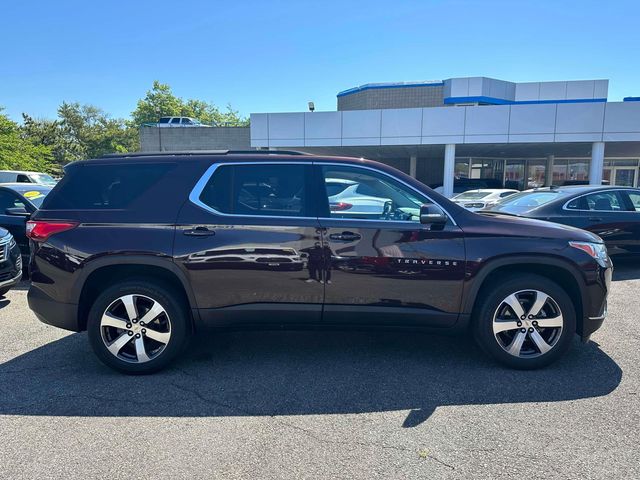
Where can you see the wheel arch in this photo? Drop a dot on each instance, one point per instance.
(557, 270)
(102, 272)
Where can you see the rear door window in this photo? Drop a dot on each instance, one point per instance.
(634, 198)
(259, 190)
(105, 186)
(605, 202)
(175, 120)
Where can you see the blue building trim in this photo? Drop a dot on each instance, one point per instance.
(502, 101)
(631, 99)
(374, 86)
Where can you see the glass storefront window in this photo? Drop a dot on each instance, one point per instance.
(462, 168)
(514, 174)
(536, 173)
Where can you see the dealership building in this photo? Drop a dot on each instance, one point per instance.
(519, 135)
(516, 135)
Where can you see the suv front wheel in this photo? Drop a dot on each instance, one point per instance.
(137, 327)
(525, 321)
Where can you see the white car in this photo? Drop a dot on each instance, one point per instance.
(354, 198)
(475, 200)
(179, 122)
(19, 176)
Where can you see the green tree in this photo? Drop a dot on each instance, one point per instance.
(18, 152)
(161, 102)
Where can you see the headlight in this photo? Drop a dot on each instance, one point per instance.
(597, 251)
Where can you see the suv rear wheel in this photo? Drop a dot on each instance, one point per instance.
(137, 327)
(525, 321)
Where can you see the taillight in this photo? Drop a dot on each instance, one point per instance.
(40, 230)
(339, 206)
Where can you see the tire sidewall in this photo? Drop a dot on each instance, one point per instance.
(495, 294)
(158, 292)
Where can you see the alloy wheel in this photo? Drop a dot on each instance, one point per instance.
(528, 323)
(135, 328)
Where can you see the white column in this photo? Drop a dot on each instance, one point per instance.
(548, 172)
(449, 169)
(597, 163)
(413, 165)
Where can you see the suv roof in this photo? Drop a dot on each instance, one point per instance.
(203, 152)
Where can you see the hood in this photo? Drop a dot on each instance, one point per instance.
(511, 225)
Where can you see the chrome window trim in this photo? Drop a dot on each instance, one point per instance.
(194, 196)
(619, 189)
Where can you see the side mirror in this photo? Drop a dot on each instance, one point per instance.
(432, 215)
(17, 212)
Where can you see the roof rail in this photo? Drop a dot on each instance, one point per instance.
(203, 152)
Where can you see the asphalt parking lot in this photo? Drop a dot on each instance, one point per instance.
(321, 405)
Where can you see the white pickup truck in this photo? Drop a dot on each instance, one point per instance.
(179, 122)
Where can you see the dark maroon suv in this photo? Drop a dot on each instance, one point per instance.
(143, 250)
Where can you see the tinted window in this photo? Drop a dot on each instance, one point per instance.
(164, 120)
(635, 200)
(269, 190)
(506, 194)
(376, 197)
(604, 201)
(23, 179)
(175, 120)
(104, 186)
(8, 200)
(575, 204)
(187, 121)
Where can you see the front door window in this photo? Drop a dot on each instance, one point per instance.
(354, 193)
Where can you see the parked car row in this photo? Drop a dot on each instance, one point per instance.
(21, 193)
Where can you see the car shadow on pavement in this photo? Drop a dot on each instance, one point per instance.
(267, 373)
(626, 268)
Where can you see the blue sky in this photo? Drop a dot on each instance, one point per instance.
(277, 55)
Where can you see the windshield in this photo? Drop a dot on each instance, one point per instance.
(471, 195)
(36, 196)
(525, 201)
(42, 178)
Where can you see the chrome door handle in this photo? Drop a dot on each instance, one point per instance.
(345, 236)
(199, 232)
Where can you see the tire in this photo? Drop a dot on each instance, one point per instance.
(116, 338)
(499, 331)
(4, 291)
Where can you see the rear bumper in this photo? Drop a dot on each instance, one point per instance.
(52, 312)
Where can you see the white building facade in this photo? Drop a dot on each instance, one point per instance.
(518, 135)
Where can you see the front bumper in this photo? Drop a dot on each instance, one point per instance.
(598, 292)
(12, 281)
(52, 312)
(10, 266)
